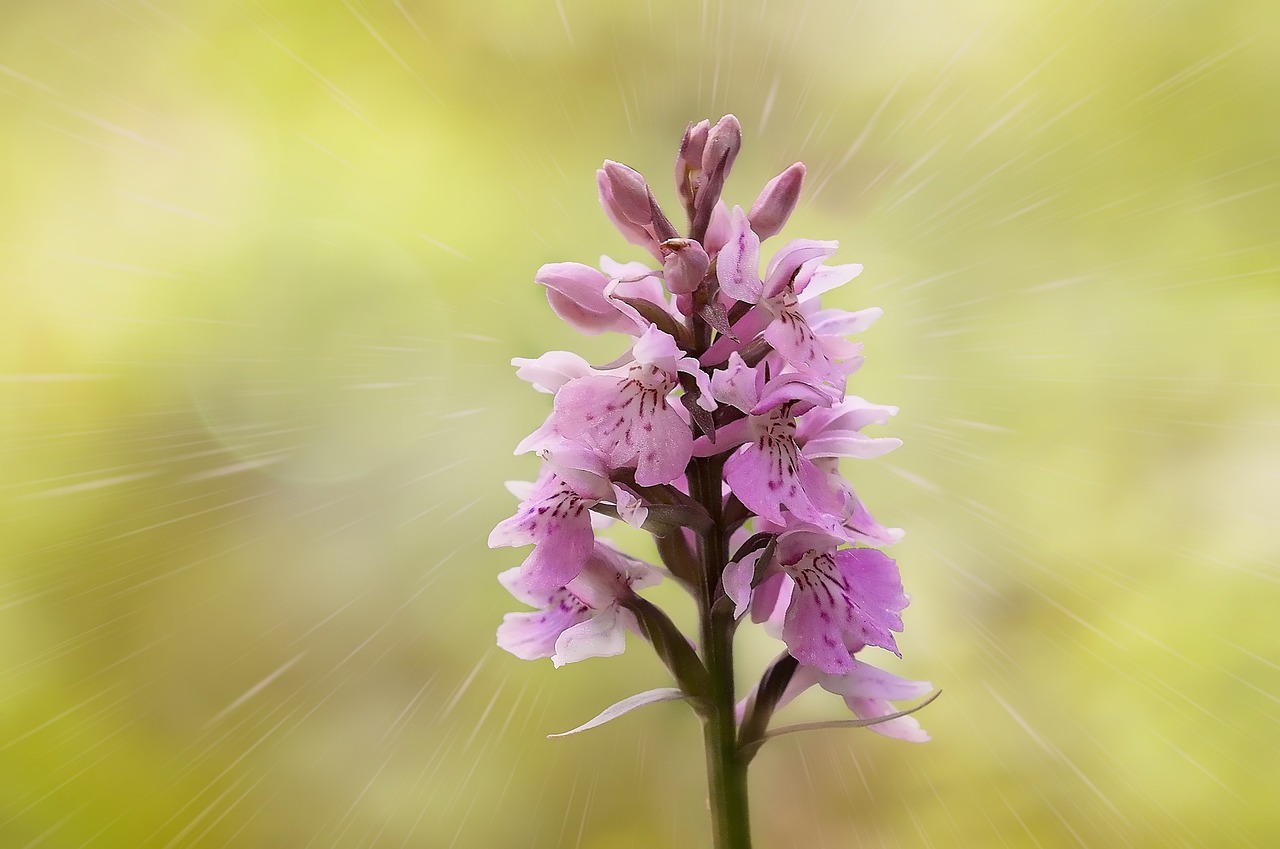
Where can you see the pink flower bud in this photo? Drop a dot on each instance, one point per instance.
(576, 294)
(776, 201)
(723, 143)
(689, 161)
(629, 192)
(684, 265)
(724, 140)
(636, 234)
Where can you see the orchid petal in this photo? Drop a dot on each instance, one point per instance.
(684, 266)
(824, 278)
(746, 329)
(552, 370)
(899, 728)
(793, 338)
(850, 445)
(617, 210)
(737, 384)
(790, 388)
(787, 262)
(600, 636)
(728, 437)
(834, 322)
(631, 508)
(770, 601)
(738, 264)
(776, 201)
(630, 421)
(718, 230)
(875, 589)
(533, 635)
(819, 618)
(737, 579)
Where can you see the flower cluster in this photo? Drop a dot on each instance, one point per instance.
(719, 429)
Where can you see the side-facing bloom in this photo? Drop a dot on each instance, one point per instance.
(556, 516)
(770, 473)
(832, 601)
(583, 619)
(808, 340)
(868, 691)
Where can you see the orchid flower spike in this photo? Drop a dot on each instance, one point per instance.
(719, 428)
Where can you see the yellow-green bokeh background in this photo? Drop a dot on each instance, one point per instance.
(263, 264)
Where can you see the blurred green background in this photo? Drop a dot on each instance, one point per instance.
(263, 265)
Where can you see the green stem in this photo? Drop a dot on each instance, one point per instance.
(726, 768)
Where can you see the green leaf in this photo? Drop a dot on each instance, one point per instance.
(748, 751)
(649, 697)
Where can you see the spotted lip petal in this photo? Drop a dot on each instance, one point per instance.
(842, 601)
(820, 617)
(770, 473)
(556, 518)
(792, 337)
(559, 526)
(630, 417)
(533, 634)
(631, 420)
(876, 594)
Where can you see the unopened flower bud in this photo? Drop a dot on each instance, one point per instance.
(629, 192)
(576, 294)
(621, 202)
(684, 265)
(776, 201)
(685, 304)
(689, 162)
(723, 143)
(724, 140)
